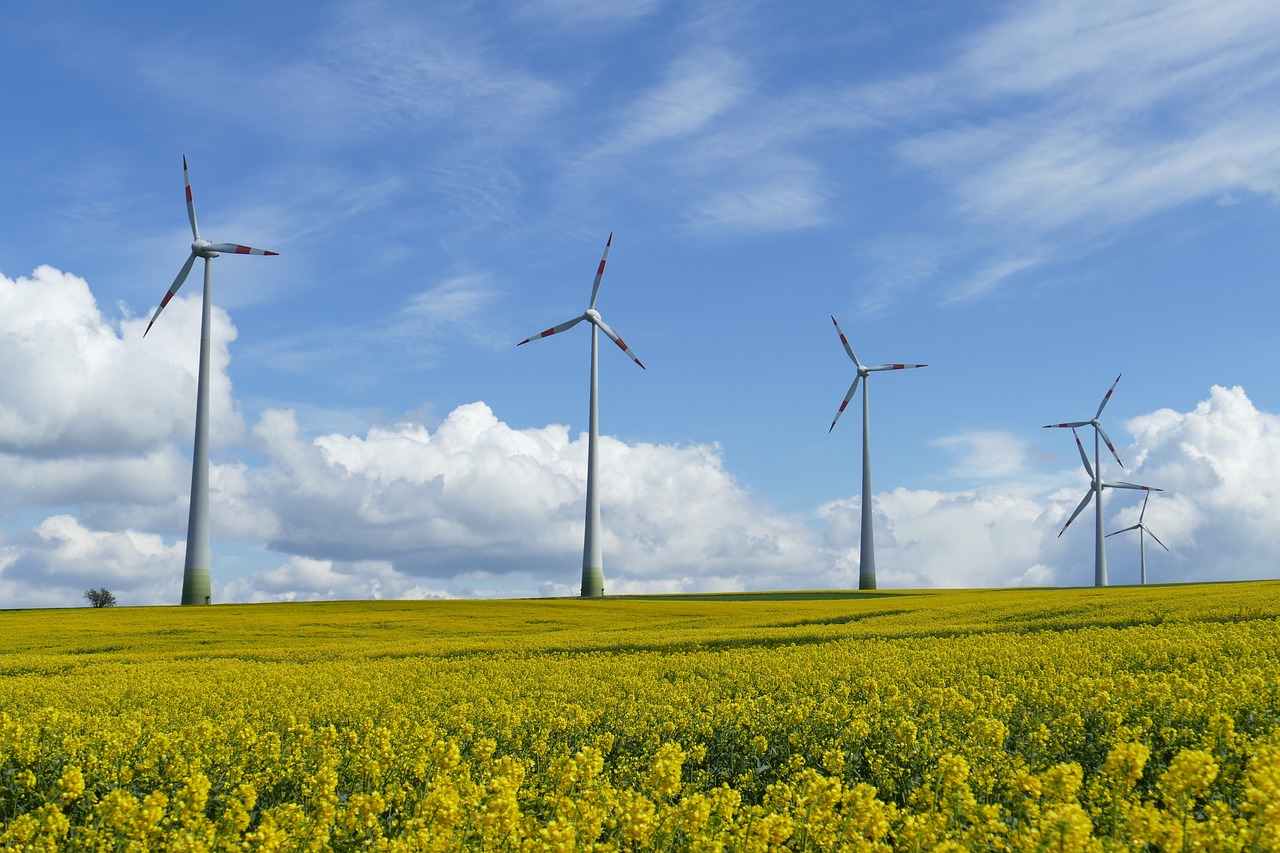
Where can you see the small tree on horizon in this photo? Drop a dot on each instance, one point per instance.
(100, 597)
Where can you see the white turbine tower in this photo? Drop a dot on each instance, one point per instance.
(195, 573)
(1100, 550)
(1096, 485)
(592, 557)
(1143, 532)
(867, 549)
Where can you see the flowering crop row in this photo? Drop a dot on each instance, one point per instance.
(1001, 720)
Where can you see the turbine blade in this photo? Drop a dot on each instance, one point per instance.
(173, 288)
(895, 366)
(847, 348)
(853, 389)
(554, 330)
(595, 288)
(1079, 509)
(613, 336)
(1143, 513)
(1122, 485)
(1084, 457)
(1107, 397)
(1069, 425)
(1106, 439)
(1153, 536)
(191, 205)
(237, 249)
(1126, 530)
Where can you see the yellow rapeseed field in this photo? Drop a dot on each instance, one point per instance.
(1139, 718)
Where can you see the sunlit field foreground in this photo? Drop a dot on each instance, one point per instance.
(1002, 720)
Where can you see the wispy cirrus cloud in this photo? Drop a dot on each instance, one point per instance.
(1059, 125)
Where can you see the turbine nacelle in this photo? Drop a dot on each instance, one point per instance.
(593, 315)
(203, 249)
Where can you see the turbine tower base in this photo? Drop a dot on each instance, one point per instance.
(592, 582)
(867, 579)
(195, 586)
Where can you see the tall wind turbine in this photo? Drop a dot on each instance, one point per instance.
(1143, 532)
(195, 573)
(1100, 549)
(592, 557)
(867, 550)
(1096, 485)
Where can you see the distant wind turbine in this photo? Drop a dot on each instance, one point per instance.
(867, 549)
(592, 557)
(1143, 532)
(1100, 549)
(195, 574)
(1096, 485)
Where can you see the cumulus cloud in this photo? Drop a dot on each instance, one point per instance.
(480, 496)
(60, 558)
(927, 538)
(77, 384)
(305, 579)
(1220, 467)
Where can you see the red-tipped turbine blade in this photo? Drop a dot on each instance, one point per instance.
(173, 288)
(595, 288)
(847, 348)
(1084, 457)
(847, 397)
(613, 336)
(1068, 425)
(1079, 509)
(895, 367)
(1107, 441)
(191, 205)
(1103, 404)
(237, 249)
(1126, 530)
(1147, 530)
(554, 330)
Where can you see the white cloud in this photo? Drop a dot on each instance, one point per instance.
(1220, 467)
(926, 538)
(479, 508)
(479, 496)
(305, 579)
(986, 455)
(60, 558)
(696, 89)
(76, 384)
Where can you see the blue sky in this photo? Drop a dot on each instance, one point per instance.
(1030, 197)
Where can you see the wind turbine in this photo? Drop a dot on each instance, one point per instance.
(867, 549)
(195, 573)
(1143, 532)
(1100, 549)
(1097, 485)
(592, 557)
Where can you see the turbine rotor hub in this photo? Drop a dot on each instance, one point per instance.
(201, 249)
(592, 314)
